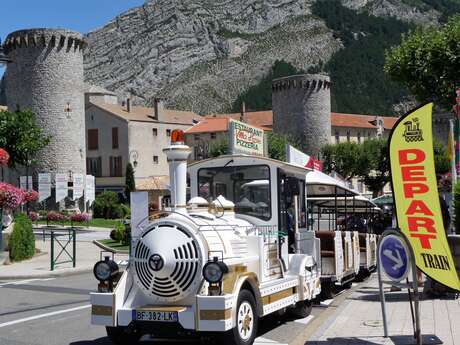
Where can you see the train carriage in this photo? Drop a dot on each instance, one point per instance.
(339, 216)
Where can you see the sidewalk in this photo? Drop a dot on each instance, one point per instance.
(87, 254)
(358, 320)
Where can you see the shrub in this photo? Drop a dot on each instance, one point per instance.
(80, 217)
(457, 207)
(34, 216)
(54, 216)
(121, 234)
(105, 206)
(22, 241)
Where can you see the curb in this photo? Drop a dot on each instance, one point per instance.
(109, 249)
(50, 274)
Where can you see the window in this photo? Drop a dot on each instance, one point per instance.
(368, 135)
(348, 136)
(168, 132)
(115, 137)
(337, 137)
(154, 132)
(94, 166)
(359, 137)
(213, 135)
(196, 137)
(247, 186)
(116, 166)
(155, 159)
(93, 140)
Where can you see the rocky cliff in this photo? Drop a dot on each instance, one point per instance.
(202, 54)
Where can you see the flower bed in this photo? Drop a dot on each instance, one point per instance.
(80, 217)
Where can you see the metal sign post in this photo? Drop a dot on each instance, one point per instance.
(394, 257)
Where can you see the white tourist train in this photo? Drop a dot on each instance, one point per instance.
(243, 246)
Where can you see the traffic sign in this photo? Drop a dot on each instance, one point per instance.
(394, 257)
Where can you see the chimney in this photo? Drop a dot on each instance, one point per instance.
(158, 107)
(128, 105)
(177, 154)
(243, 111)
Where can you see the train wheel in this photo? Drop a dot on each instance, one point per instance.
(246, 320)
(123, 335)
(327, 291)
(302, 309)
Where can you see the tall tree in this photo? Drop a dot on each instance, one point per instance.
(428, 62)
(370, 162)
(343, 158)
(130, 183)
(375, 165)
(21, 137)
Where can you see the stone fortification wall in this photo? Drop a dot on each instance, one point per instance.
(302, 110)
(46, 76)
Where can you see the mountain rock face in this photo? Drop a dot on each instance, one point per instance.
(201, 54)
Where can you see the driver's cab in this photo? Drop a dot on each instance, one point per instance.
(265, 192)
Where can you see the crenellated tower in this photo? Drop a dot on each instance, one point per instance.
(46, 76)
(302, 110)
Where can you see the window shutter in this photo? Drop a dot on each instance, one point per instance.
(115, 137)
(99, 167)
(93, 140)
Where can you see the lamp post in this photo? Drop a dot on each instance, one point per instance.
(3, 61)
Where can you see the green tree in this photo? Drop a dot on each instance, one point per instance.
(441, 158)
(343, 158)
(457, 207)
(428, 62)
(219, 148)
(21, 136)
(370, 162)
(375, 165)
(130, 184)
(277, 143)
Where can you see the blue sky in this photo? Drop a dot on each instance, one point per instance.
(79, 15)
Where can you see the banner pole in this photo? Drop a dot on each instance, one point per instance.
(382, 295)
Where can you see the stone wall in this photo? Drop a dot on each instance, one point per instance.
(302, 110)
(46, 76)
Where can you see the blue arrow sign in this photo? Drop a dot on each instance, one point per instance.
(394, 257)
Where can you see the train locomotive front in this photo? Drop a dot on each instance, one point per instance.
(203, 269)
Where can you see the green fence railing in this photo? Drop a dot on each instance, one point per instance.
(63, 242)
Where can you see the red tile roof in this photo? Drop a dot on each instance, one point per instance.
(264, 120)
(359, 121)
(210, 124)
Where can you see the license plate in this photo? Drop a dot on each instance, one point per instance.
(161, 316)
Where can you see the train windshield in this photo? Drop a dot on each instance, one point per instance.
(248, 187)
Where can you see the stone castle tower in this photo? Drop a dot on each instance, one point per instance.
(46, 76)
(302, 110)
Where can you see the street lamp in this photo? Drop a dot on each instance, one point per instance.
(134, 156)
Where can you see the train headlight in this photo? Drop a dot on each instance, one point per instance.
(105, 270)
(214, 271)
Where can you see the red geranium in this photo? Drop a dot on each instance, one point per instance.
(4, 157)
(31, 196)
(10, 196)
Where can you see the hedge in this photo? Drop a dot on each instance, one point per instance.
(22, 241)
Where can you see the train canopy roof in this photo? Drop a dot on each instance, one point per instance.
(323, 186)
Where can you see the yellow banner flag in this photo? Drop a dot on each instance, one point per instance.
(416, 195)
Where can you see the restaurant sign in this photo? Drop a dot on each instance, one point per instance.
(246, 139)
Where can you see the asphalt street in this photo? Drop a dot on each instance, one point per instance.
(56, 311)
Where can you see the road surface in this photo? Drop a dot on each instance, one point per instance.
(56, 311)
